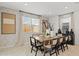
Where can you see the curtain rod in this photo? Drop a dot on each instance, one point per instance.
(28, 13)
(21, 11)
(66, 13)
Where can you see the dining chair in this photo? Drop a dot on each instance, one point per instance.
(55, 46)
(47, 47)
(69, 38)
(59, 35)
(60, 44)
(50, 46)
(65, 42)
(35, 45)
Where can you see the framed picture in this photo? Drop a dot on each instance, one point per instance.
(8, 23)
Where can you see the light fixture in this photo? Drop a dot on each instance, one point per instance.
(66, 7)
(25, 4)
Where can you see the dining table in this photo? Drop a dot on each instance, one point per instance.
(47, 40)
(42, 38)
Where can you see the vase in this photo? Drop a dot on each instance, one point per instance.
(51, 33)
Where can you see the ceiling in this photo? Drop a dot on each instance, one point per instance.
(43, 8)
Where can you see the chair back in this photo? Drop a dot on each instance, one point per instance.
(46, 42)
(66, 38)
(32, 41)
(69, 38)
(61, 40)
(59, 35)
(54, 41)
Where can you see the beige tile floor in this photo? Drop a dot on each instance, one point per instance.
(25, 51)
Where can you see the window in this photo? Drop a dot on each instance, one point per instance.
(65, 22)
(31, 24)
(26, 24)
(65, 26)
(35, 25)
(8, 23)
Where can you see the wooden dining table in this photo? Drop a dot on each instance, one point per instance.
(46, 41)
(42, 38)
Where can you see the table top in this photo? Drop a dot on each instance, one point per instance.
(42, 38)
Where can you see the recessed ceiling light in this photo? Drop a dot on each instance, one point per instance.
(66, 7)
(25, 4)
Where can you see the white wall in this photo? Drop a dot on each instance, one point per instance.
(9, 40)
(75, 24)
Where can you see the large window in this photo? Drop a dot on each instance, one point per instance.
(26, 24)
(35, 25)
(65, 22)
(8, 23)
(31, 24)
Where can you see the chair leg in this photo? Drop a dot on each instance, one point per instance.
(56, 52)
(41, 50)
(67, 46)
(44, 52)
(62, 48)
(50, 53)
(36, 51)
(31, 49)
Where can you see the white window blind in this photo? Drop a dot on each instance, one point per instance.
(31, 23)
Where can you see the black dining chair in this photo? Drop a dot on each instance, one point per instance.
(47, 47)
(50, 46)
(65, 44)
(60, 44)
(35, 44)
(55, 45)
(69, 38)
